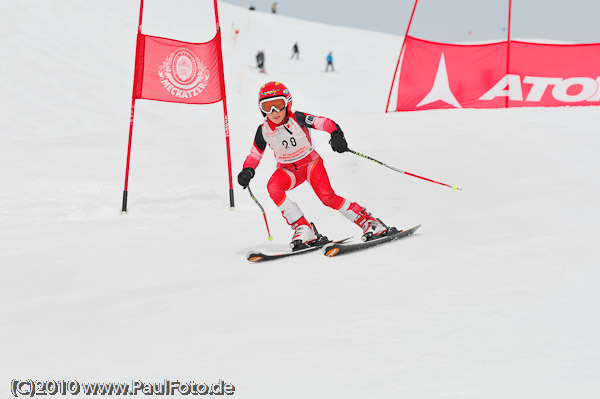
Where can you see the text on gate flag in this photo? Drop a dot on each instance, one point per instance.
(439, 75)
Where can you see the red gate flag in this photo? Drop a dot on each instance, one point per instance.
(439, 75)
(175, 71)
(180, 72)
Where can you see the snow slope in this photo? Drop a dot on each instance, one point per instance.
(495, 297)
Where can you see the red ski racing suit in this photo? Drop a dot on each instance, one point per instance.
(297, 162)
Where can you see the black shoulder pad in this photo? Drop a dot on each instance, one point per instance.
(259, 139)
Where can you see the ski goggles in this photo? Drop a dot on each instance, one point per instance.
(276, 104)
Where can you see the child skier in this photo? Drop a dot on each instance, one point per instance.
(287, 133)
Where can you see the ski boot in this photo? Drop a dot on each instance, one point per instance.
(372, 227)
(306, 235)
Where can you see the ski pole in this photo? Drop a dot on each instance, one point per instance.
(401, 171)
(270, 237)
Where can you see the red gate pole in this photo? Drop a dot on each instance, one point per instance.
(124, 209)
(508, 45)
(400, 56)
(225, 117)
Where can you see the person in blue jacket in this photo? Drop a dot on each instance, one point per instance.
(329, 62)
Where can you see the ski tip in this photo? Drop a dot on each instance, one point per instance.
(331, 252)
(254, 258)
(413, 229)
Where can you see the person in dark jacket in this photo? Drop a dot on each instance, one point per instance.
(260, 60)
(295, 50)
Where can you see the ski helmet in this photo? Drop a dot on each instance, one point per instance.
(274, 90)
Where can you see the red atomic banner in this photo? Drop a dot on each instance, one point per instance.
(174, 71)
(497, 75)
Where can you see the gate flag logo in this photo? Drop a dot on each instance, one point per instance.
(441, 88)
(174, 71)
(183, 74)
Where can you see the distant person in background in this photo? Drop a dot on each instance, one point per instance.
(296, 52)
(260, 60)
(329, 62)
(274, 8)
(251, 8)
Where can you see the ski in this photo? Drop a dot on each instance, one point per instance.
(339, 248)
(257, 257)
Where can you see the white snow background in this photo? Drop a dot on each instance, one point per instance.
(496, 296)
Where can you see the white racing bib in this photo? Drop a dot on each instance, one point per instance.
(289, 141)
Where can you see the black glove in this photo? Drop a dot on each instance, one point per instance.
(245, 176)
(338, 142)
